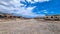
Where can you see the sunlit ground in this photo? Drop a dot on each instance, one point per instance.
(29, 26)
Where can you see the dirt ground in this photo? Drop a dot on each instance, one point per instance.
(29, 26)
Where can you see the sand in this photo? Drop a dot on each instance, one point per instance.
(29, 26)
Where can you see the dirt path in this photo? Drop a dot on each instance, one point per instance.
(29, 26)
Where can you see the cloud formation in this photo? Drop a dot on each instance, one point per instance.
(19, 9)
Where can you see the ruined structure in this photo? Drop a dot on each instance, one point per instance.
(3, 15)
(52, 17)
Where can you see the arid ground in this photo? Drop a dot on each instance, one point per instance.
(29, 26)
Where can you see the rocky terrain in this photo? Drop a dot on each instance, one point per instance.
(29, 26)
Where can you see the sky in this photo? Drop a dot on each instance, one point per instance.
(30, 8)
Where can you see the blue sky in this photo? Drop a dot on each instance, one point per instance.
(50, 6)
(30, 8)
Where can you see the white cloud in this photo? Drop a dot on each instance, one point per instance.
(41, 0)
(45, 11)
(14, 6)
(34, 1)
(38, 0)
